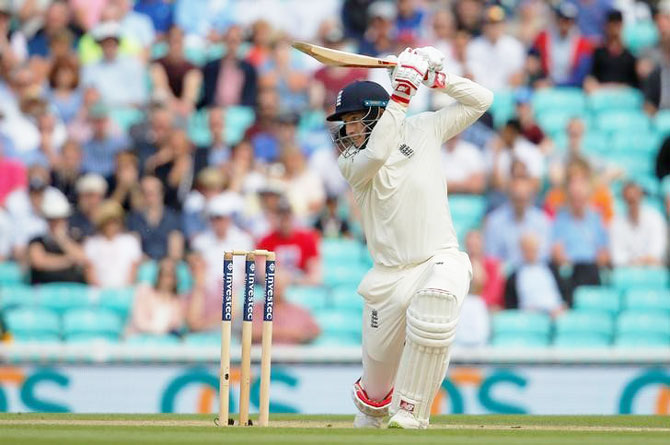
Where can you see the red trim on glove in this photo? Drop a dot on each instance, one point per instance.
(399, 99)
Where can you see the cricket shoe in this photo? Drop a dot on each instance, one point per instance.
(406, 421)
(364, 421)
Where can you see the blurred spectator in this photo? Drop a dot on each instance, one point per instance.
(330, 224)
(55, 256)
(209, 183)
(532, 286)
(64, 93)
(173, 165)
(161, 13)
(260, 221)
(230, 80)
(113, 254)
(124, 185)
(12, 42)
(410, 20)
(638, 237)
(580, 242)
(175, 79)
(463, 166)
(56, 19)
(592, 16)
(304, 189)
(380, 33)
(613, 64)
(564, 53)
(529, 127)
(469, 15)
(115, 69)
(157, 227)
(511, 146)
(152, 133)
(201, 19)
(87, 13)
(531, 18)
(288, 75)
(64, 176)
(101, 149)
(262, 40)
(517, 216)
(296, 249)
(135, 25)
(243, 172)
(12, 174)
(6, 228)
(217, 152)
(323, 162)
(91, 190)
(654, 64)
(487, 274)
(476, 327)
(158, 309)
(495, 58)
(262, 133)
(291, 323)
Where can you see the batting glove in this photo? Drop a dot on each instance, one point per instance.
(408, 75)
(435, 78)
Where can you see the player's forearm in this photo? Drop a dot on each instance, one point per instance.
(467, 92)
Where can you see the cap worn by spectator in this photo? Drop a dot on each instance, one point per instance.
(107, 30)
(56, 207)
(383, 10)
(222, 206)
(567, 11)
(494, 14)
(91, 183)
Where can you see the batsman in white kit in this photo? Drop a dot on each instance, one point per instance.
(419, 279)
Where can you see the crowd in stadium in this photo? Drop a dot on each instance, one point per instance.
(143, 139)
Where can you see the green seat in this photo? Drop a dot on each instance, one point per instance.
(126, 117)
(337, 340)
(640, 35)
(616, 121)
(648, 142)
(467, 207)
(118, 300)
(642, 340)
(662, 122)
(16, 295)
(582, 340)
(33, 323)
(152, 340)
(638, 322)
(197, 55)
(336, 252)
(515, 322)
(184, 278)
(587, 323)
(346, 297)
(519, 341)
(203, 339)
(92, 337)
(238, 120)
(553, 122)
(344, 274)
(503, 107)
(91, 323)
(345, 323)
(570, 100)
(10, 273)
(594, 142)
(608, 99)
(648, 299)
(147, 273)
(645, 277)
(633, 163)
(313, 298)
(597, 298)
(62, 297)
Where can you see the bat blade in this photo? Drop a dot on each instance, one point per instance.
(333, 57)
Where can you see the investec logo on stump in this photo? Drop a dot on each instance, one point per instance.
(269, 293)
(251, 278)
(228, 294)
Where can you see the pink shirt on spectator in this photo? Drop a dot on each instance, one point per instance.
(12, 176)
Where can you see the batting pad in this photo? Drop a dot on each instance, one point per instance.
(431, 325)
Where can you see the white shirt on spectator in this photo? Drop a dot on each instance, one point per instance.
(461, 162)
(324, 163)
(139, 27)
(523, 150)
(5, 235)
(121, 82)
(537, 288)
(630, 242)
(113, 260)
(26, 220)
(492, 64)
(474, 324)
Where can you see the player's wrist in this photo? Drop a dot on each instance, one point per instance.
(436, 79)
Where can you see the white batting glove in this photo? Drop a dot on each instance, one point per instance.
(408, 75)
(435, 78)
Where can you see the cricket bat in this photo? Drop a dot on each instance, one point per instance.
(333, 57)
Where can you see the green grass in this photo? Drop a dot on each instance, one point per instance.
(32, 429)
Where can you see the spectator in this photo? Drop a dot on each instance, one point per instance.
(474, 325)
(262, 40)
(296, 248)
(173, 165)
(291, 323)
(355, 17)
(324, 163)
(304, 189)
(91, 189)
(158, 309)
(654, 64)
(330, 224)
(152, 133)
(125, 184)
(230, 80)
(101, 149)
(580, 243)
(380, 34)
(638, 237)
(529, 127)
(410, 20)
(533, 286)
(469, 15)
(262, 133)
(56, 20)
(55, 256)
(12, 175)
(217, 152)
(161, 13)
(114, 70)
(209, 184)
(113, 254)
(592, 16)
(6, 228)
(157, 227)
(288, 75)
(463, 166)
(564, 53)
(517, 216)
(260, 221)
(613, 64)
(496, 58)
(175, 79)
(487, 274)
(64, 93)
(12, 43)
(64, 176)
(135, 25)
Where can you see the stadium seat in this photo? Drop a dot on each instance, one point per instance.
(467, 208)
(585, 323)
(203, 339)
(238, 119)
(555, 122)
(625, 278)
(520, 341)
(609, 99)
(344, 274)
(643, 323)
(513, 322)
(346, 297)
(648, 300)
(503, 107)
(16, 295)
(118, 300)
(344, 323)
(33, 324)
(61, 297)
(662, 122)
(633, 163)
(616, 121)
(152, 340)
(126, 117)
(648, 142)
(337, 340)
(594, 142)
(569, 100)
(638, 340)
(313, 298)
(338, 252)
(147, 272)
(82, 324)
(10, 273)
(597, 298)
(640, 35)
(581, 340)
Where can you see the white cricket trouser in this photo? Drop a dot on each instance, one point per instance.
(387, 293)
